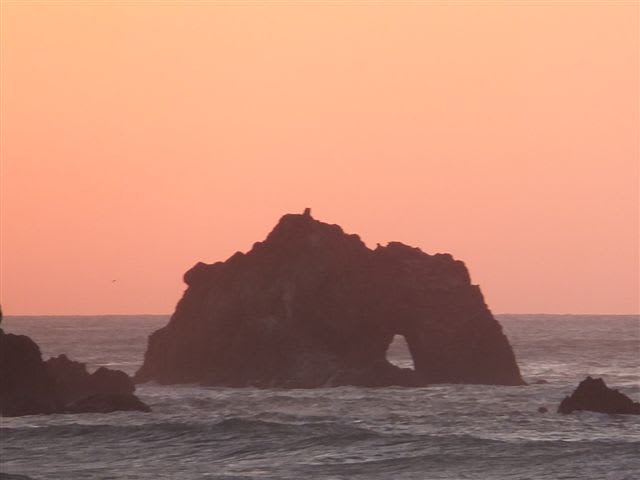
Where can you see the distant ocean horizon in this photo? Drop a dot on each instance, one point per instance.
(539, 314)
(437, 432)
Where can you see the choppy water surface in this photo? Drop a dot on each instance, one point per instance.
(438, 432)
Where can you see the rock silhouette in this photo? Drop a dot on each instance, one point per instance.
(25, 387)
(312, 306)
(593, 394)
(31, 386)
(73, 382)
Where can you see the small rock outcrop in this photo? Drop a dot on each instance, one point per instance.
(593, 394)
(72, 381)
(31, 386)
(312, 306)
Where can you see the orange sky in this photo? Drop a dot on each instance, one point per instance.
(139, 139)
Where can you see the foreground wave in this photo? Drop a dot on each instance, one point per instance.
(250, 448)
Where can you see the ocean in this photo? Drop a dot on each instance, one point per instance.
(439, 432)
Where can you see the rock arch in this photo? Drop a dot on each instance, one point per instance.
(398, 353)
(312, 306)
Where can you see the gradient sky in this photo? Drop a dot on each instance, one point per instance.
(140, 138)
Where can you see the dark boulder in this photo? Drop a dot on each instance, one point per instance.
(73, 381)
(312, 306)
(593, 394)
(30, 386)
(25, 387)
(107, 381)
(70, 378)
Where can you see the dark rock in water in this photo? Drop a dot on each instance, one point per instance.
(70, 378)
(312, 306)
(593, 394)
(25, 387)
(73, 381)
(543, 410)
(103, 391)
(107, 403)
(30, 386)
(107, 381)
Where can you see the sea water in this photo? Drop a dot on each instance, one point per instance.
(437, 432)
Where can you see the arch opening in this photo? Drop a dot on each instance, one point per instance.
(398, 353)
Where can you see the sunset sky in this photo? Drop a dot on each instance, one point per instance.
(141, 137)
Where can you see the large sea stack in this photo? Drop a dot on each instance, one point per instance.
(312, 306)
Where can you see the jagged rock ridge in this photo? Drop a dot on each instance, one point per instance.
(312, 306)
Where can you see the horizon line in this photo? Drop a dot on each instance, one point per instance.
(5, 315)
